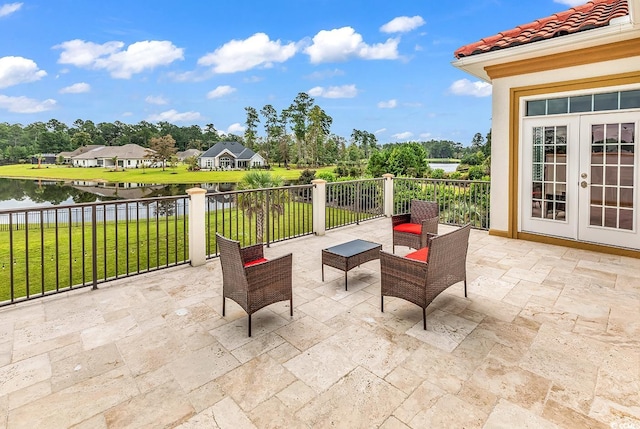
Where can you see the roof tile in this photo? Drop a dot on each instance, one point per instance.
(594, 14)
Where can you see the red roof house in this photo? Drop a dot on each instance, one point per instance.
(565, 155)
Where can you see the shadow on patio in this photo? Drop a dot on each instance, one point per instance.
(548, 337)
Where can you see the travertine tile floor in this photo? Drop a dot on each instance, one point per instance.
(548, 337)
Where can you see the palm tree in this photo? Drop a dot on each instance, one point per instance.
(258, 203)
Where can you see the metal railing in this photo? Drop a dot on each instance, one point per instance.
(353, 201)
(55, 249)
(259, 215)
(461, 201)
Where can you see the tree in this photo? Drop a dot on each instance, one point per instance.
(259, 203)
(81, 138)
(250, 132)
(273, 129)
(317, 132)
(163, 149)
(298, 113)
(366, 141)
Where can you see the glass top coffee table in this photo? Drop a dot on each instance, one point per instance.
(350, 255)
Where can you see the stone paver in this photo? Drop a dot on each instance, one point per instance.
(549, 337)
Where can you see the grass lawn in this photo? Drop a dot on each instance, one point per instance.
(138, 175)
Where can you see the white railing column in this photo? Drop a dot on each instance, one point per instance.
(319, 195)
(388, 194)
(197, 231)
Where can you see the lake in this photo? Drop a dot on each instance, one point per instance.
(448, 168)
(21, 193)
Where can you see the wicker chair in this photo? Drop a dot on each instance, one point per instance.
(252, 281)
(442, 264)
(412, 229)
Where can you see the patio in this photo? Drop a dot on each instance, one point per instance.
(548, 337)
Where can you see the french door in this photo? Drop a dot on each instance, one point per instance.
(580, 178)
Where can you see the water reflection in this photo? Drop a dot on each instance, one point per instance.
(18, 193)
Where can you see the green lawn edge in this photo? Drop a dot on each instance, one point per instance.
(177, 175)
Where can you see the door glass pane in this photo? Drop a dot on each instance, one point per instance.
(596, 175)
(612, 205)
(549, 170)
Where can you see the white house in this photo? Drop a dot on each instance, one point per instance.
(229, 155)
(565, 158)
(127, 156)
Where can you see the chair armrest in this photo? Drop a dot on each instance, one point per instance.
(430, 237)
(430, 225)
(397, 271)
(399, 219)
(274, 271)
(251, 253)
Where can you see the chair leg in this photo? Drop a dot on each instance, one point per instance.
(465, 287)
(224, 301)
(382, 303)
(424, 318)
(249, 324)
(291, 307)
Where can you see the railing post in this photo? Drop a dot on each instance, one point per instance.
(319, 204)
(94, 247)
(197, 231)
(388, 194)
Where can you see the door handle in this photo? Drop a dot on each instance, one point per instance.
(583, 184)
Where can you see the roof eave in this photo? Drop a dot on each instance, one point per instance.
(476, 64)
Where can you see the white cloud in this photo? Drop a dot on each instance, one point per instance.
(236, 129)
(241, 55)
(253, 79)
(388, 104)
(26, 105)
(9, 8)
(344, 91)
(571, 3)
(174, 116)
(221, 91)
(121, 63)
(402, 24)
(402, 136)
(15, 70)
(344, 43)
(381, 130)
(326, 74)
(157, 100)
(426, 136)
(76, 88)
(466, 87)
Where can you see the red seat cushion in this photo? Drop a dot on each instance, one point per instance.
(255, 261)
(419, 255)
(412, 228)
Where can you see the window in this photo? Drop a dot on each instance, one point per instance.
(584, 103)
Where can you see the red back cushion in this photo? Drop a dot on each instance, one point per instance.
(255, 261)
(412, 228)
(419, 255)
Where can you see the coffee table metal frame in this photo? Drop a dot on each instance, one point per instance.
(349, 255)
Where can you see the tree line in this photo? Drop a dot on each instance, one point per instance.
(299, 134)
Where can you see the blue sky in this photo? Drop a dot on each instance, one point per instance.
(373, 65)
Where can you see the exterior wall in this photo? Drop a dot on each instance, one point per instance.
(256, 160)
(502, 158)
